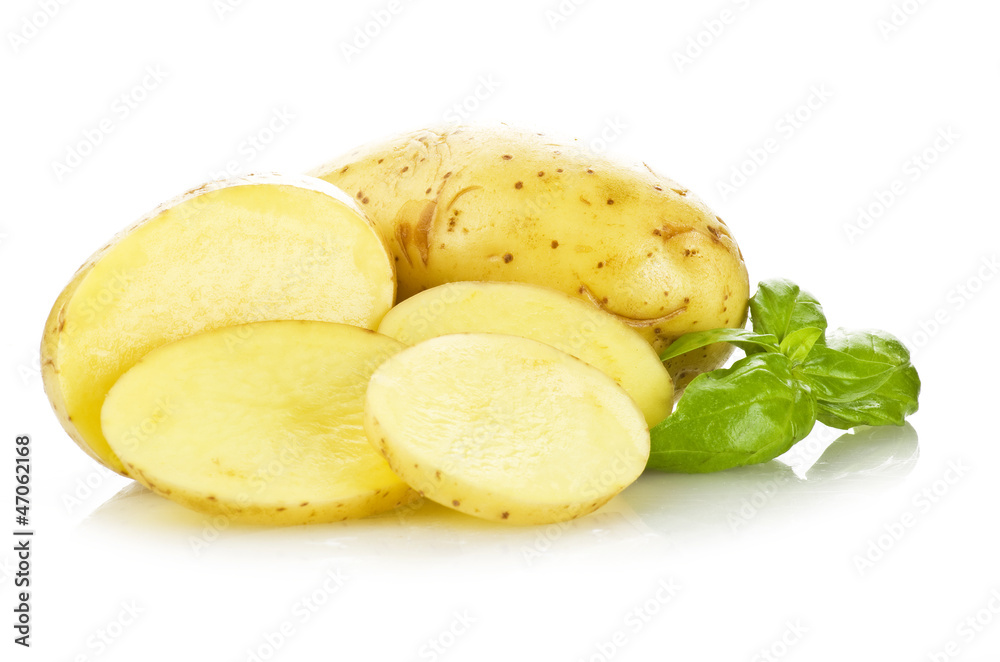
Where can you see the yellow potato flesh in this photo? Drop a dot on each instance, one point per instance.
(260, 423)
(500, 204)
(505, 428)
(262, 248)
(546, 315)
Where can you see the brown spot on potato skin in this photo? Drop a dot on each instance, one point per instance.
(600, 265)
(610, 201)
(62, 324)
(405, 168)
(589, 171)
(555, 244)
(504, 515)
(507, 157)
(669, 230)
(456, 503)
(282, 508)
(428, 191)
(303, 504)
(364, 201)
(541, 173)
(508, 258)
(210, 497)
(519, 185)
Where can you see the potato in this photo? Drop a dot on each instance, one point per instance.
(499, 204)
(243, 250)
(542, 314)
(505, 428)
(260, 423)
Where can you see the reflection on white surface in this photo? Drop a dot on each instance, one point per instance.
(665, 509)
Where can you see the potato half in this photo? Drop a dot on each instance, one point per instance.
(549, 316)
(243, 250)
(501, 204)
(505, 428)
(260, 423)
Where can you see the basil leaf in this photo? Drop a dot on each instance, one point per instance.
(739, 337)
(747, 414)
(838, 376)
(889, 404)
(797, 344)
(779, 307)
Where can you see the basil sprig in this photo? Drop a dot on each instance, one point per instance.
(793, 375)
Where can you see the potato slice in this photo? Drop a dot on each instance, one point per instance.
(244, 250)
(549, 316)
(505, 428)
(261, 423)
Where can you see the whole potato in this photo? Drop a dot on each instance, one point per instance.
(500, 204)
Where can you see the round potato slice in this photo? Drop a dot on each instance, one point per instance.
(264, 247)
(261, 423)
(549, 316)
(505, 428)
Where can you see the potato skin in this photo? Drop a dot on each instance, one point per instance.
(61, 325)
(501, 204)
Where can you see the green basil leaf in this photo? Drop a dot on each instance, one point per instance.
(797, 344)
(838, 376)
(739, 337)
(747, 414)
(889, 404)
(779, 307)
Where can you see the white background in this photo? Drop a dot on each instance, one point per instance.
(792, 559)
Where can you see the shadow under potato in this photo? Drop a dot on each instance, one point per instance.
(658, 506)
